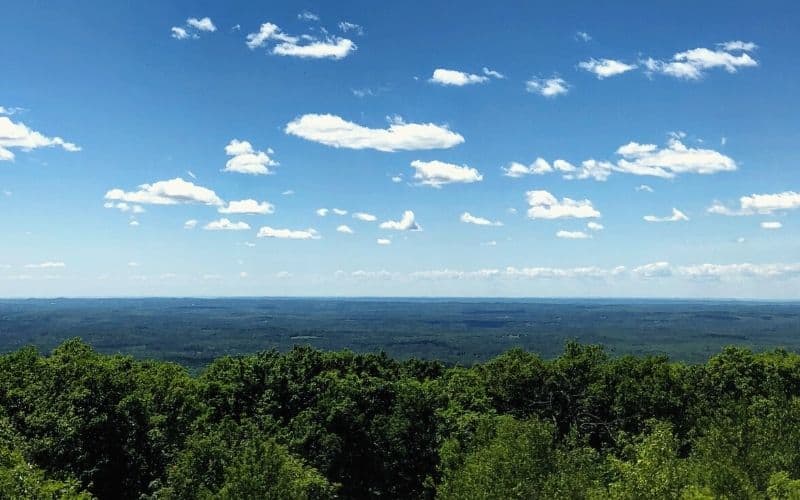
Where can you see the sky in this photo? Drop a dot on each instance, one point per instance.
(509, 149)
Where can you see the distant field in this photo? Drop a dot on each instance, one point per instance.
(195, 331)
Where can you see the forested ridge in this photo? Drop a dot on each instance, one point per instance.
(314, 424)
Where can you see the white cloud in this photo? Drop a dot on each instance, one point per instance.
(768, 203)
(248, 206)
(573, 235)
(735, 45)
(544, 205)
(288, 234)
(10, 111)
(676, 158)
(547, 87)
(654, 270)
(346, 27)
(676, 216)
(134, 223)
(305, 46)
(179, 33)
(190, 224)
(771, 225)
(639, 159)
(739, 271)
(133, 264)
(283, 275)
(226, 225)
(583, 36)
(334, 131)
(18, 135)
(193, 28)
(203, 24)
(46, 265)
(339, 211)
(644, 187)
(345, 229)
(692, 64)
(604, 68)
(307, 16)
(540, 166)
(364, 216)
(246, 160)
(243, 274)
(479, 221)
(383, 241)
(759, 204)
(397, 178)
(491, 243)
(322, 212)
(592, 169)
(594, 226)
(288, 192)
(437, 173)
(171, 192)
(406, 223)
(493, 73)
(456, 78)
(124, 207)
(336, 48)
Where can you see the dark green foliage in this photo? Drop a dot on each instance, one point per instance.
(313, 424)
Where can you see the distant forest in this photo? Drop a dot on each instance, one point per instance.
(312, 424)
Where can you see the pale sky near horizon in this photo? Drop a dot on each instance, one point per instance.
(341, 149)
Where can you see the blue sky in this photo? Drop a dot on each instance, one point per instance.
(502, 149)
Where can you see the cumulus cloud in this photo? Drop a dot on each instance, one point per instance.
(468, 218)
(644, 187)
(540, 166)
(583, 36)
(365, 216)
(573, 235)
(171, 192)
(246, 160)
(226, 225)
(383, 241)
(547, 87)
(451, 77)
(594, 226)
(604, 68)
(771, 225)
(406, 223)
(676, 158)
(339, 211)
(344, 229)
(288, 234)
(193, 28)
(759, 204)
(693, 64)
(46, 265)
(322, 212)
(190, 224)
(16, 135)
(638, 159)
(306, 46)
(739, 271)
(248, 206)
(544, 205)
(336, 132)
(437, 173)
(676, 216)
